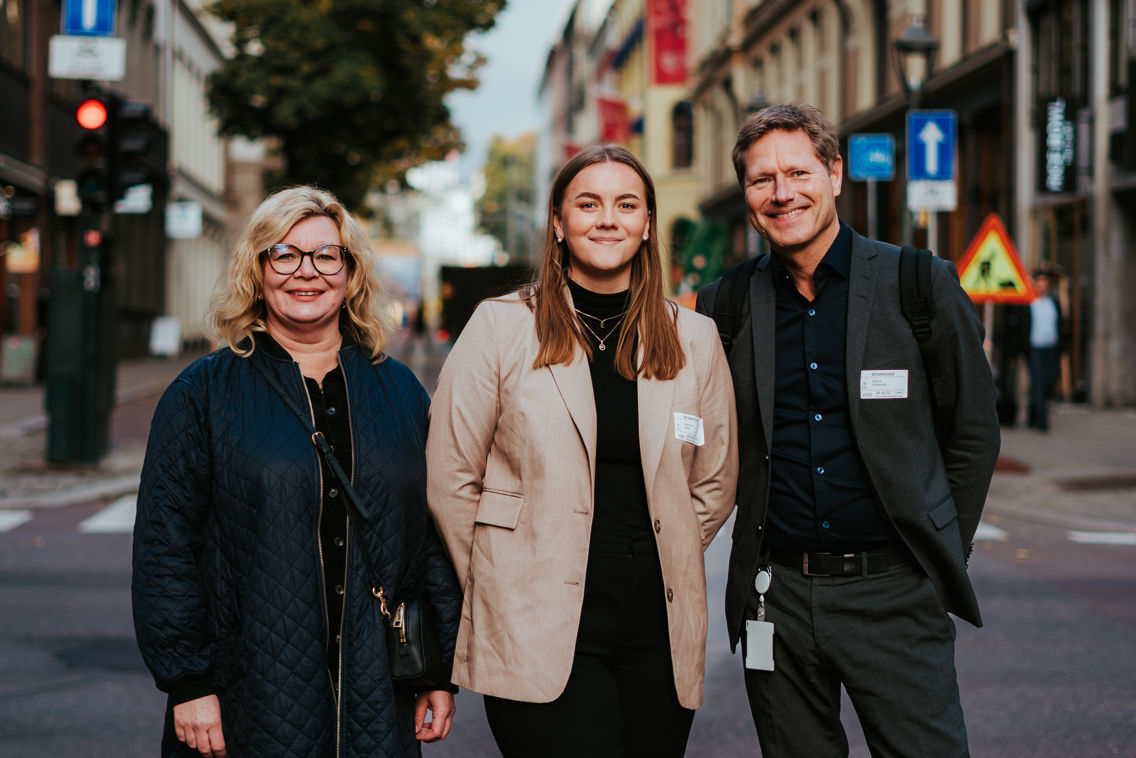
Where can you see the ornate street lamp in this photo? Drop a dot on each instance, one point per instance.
(756, 104)
(914, 58)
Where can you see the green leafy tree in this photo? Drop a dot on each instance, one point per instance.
(506, 209)
(354, 90)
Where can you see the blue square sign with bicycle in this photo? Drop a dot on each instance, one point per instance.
(871, 156)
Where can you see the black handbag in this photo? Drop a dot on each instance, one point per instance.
(413, 652)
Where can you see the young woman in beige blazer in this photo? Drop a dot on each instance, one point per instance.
(582, 455)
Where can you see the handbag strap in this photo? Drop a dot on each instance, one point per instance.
(356, 511)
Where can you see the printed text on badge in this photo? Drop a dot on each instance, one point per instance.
(689, 429)
(883, 385)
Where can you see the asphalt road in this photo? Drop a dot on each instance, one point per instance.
(1053, 672)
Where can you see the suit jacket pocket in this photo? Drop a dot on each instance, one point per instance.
(943, 513)
(499, 508)
(892, 357)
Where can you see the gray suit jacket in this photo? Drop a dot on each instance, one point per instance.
(933, 499)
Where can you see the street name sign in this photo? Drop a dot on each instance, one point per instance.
(99, 58)
(991, 271)
(871, 156)
(93, 18)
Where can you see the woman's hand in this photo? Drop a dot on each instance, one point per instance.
(441, 704)
(198, 725)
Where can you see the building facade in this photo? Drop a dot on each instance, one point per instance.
(1002, 66)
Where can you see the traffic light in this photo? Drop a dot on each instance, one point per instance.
(139, 147)
(93, 178)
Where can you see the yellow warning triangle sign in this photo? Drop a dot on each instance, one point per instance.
(991, 271)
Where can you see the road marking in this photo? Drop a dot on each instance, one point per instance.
(1103, 538)
(989, 533)
(116, 518)
(9, 520)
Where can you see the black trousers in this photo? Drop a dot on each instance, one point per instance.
(886, 638)
(620, 700)
(1045, 370)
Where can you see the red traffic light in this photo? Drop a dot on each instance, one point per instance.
(92, 114)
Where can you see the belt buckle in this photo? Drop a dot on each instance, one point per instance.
(805, 566)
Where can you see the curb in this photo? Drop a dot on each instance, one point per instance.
(1002, 508)
(86, 493)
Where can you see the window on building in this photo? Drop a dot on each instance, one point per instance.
(12, 32)
(682, 124)
(1061, 55)
(1121, 43)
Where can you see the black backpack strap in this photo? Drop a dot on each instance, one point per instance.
(730, 299)
(918, 305)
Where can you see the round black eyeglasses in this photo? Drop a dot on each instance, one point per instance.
(287, 259)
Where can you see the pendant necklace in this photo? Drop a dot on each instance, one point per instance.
(597, 318)
(601, 340)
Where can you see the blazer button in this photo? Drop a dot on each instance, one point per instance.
(658, 526)
(670, 596)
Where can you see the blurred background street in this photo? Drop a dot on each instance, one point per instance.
(137, 136)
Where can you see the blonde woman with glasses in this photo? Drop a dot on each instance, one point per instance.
(253, 600)
(582, 456)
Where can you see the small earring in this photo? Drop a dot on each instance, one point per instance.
(559, 240)
(260, 297)
(344, 303)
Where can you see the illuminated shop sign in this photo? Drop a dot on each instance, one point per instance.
(1058, 146)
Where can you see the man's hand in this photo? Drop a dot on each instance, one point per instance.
(198, 725)
(441, 704)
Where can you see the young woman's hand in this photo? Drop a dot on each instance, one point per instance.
(198, 724)
(441, 704)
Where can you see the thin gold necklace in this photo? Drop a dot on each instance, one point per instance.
(604, 338)
(597, 318)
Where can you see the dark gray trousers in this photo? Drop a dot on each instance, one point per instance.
(886, 638)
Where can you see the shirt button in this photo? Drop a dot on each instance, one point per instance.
(331, 411)
(339, 589)
(658, 526)
(670, 596)
(820, 469)
(812, 312)
(333, 492)
(337, 639)
(818, 417)
(824, 524)
(338, 541)
(813, 366)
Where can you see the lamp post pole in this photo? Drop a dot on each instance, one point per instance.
(914, 56)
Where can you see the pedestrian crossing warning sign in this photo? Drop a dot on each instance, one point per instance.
(991, 271)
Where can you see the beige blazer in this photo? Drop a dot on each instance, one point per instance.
(511, 461)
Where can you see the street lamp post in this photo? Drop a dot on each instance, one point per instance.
(914, 57)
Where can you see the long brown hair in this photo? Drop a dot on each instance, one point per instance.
(649, 314)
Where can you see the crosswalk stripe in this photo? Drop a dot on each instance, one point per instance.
(989, 533)
(116, 518)
(9, 520)
(1103, 538)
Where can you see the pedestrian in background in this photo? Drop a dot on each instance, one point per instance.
(854, 525)
(582, 456)
(1046, 327)
(251, 603)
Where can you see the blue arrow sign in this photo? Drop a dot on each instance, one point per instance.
(88, 18)
(931, 140)
(871, 156)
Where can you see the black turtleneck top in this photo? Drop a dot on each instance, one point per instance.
(621, 515)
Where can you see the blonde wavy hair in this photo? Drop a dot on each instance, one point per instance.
(235, 310)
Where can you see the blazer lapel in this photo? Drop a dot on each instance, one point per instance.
(763, 322)
(862, 273)
(574, 381)
(655, 416)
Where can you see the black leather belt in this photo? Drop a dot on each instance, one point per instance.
(837, 564)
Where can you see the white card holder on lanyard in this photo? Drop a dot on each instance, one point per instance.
(759, 634)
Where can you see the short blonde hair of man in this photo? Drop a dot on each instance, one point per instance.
(236, 309)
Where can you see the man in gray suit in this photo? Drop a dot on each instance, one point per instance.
(851, 502)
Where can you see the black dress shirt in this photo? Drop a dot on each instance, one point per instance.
(819, 499)
(621, 515)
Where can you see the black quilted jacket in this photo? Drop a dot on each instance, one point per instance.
(227, 575)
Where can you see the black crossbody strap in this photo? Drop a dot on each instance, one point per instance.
(730, 298)
(356, 511)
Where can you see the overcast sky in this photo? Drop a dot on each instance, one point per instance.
(505, 103)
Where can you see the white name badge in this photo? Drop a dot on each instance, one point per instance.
(759, 645)
(883, 385)
(689, 429)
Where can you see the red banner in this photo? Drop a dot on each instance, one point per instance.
(613, 120)
(668, 28)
